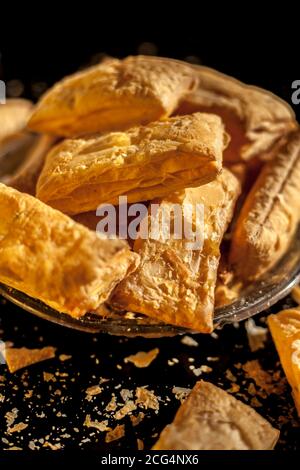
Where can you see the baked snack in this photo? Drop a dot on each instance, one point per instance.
(142, 163)
(174, 282)
(113, 95)
(14, 115)
(211, 419)
(47, 256)
(25, 179)
(254, 118)
(270, 215)
(285, 330)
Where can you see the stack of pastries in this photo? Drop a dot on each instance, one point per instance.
(165, 132)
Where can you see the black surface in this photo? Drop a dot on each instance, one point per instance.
(55, 416)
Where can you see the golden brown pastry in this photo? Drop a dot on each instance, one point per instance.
(114, 95)
(285, 330)
(174, 283)
(25, 179)
(142, 163)
(211, 419)
(46, 255)
(254, 118)
(270, 215)
(14, 115)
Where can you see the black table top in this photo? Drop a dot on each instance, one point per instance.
(55, 410)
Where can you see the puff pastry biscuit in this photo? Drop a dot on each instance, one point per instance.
(254, 118)
(142, 163)
(270, 215)
(174, 283)
(49, 257)
(211, 419)
(114, 95)
(285, 330)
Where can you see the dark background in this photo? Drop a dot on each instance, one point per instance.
(36, 49)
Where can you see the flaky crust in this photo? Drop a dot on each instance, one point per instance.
(173, 283)
(114, 95)
(49, 257)
(14, 115)
(254, 118)
(270, 215)
(211, 419)
(142, 163)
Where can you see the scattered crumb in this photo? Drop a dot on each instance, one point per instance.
(56, 446)
(234, 388)
(17, 358)
(212, 359)
(257, 335)
(17, 428)
(10, 416)
(146, 398)
(100, 425)
(92, 391)
(181, 393)
(48, 377)
(199, 370)
(135, 420)
(140, 444)
(114, 434)
(188, 341)
(125, 410)
(142, 359)
(264, 379)
(64, 357)
(229, 376)
(126, 394)
(112, 405)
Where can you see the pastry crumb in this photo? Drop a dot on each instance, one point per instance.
(142, 359)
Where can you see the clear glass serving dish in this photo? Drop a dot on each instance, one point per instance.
(258, 296)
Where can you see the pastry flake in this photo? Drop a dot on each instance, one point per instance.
(254, 118)
(173, 283)
(18, 358)
(141, 163)
(211, 419)
(114, 95)
(285, 331)
(270, 215)
(47, 256)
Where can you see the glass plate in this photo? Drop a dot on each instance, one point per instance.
(257, 297)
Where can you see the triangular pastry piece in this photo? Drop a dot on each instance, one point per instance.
(48, 256)
(211, 419)
(142, 163)
(175, 282)
(113, 95)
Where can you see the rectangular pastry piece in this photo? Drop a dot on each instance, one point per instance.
(174, 283)
(270, 215)
(212, 419)
(141, 163)
(48, 256)
(254, 118)
(113, 95)
(285, 330)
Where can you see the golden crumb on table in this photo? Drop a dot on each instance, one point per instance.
(142, 359)
(18, 358)
(117, 433)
